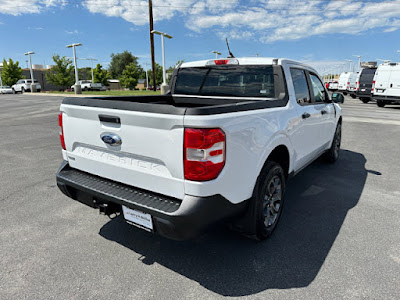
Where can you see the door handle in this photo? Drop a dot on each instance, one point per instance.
(305, 115)
(323, 112)
(109, 119)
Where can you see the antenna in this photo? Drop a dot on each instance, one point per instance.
(229, 50)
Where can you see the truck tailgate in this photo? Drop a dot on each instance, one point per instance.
(150, 156)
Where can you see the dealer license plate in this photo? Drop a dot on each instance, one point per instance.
(138, 218)
(362, 90)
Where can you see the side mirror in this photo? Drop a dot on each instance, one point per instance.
(338, 97)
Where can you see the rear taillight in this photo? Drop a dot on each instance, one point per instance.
(357, 85)
(373, 86)
(60, 123)
(204, 153)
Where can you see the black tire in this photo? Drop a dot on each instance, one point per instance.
(268, 198)
(364, 100)
(333, 153)
(353, 96)
(380, 103)
(85, 89)
(13, 91)
(22, 90)
(345, 93)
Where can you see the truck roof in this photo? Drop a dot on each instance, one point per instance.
(249, 61)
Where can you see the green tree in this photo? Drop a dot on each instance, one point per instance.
(85, 73)
(100, 75)
(11, 72)
(119, 62)
(159, 74)
(131, 75)
(62, 74)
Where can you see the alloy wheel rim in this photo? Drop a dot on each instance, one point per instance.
(272, 201)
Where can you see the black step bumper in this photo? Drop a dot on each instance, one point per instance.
(173, 218)
(387, 99)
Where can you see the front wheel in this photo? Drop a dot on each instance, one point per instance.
(333, 153)
(13, 91)
(380, 103)
(269, 197)
(365, 100)
(22, 90)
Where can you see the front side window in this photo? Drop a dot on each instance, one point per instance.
(234, 81)
(318, 89)
(300, 86)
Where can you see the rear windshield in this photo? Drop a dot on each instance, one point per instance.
(234, 81)
(367, 75)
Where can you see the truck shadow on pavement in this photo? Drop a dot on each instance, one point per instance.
(317, 202)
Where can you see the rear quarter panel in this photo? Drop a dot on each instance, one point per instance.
(250, 138)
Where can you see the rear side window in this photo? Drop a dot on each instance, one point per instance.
(318, 89)
(367, 75)
(234, 81)
(300, 86)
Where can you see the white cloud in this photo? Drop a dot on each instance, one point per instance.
(72, 32)
(18, 7)
(264, 20)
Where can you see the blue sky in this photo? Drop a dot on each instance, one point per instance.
(323, 33)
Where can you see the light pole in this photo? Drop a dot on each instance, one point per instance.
(164, 86)
(33, 86)
(91, 60)
(77, 87)
(359, 61)
(216, 54)
(349, 60)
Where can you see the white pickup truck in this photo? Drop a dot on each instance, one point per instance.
(220, 145)
(87, 85)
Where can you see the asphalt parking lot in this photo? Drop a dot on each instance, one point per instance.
(339, 236)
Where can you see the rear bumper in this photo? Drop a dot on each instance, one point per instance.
(172, 218)
(387, 99)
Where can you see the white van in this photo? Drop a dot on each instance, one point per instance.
(386, 84)
(344, 81)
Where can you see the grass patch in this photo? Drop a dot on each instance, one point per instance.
(112, 93)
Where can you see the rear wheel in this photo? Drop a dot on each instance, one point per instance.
(269, 197)
(364, 100)
(22, 90)
(353, 96)
(380, 103)
(333, 153)
(345, 93)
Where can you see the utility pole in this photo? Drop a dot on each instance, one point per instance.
(153, 63)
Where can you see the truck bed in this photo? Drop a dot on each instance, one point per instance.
(178, 105)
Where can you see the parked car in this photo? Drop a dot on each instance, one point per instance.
(87, 85)
(5, 89)
(219, 146)
(333, 86)
(364, 84)
(386, 84)
(344, 82)
(24, 85)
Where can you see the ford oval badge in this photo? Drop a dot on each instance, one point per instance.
(111, 139)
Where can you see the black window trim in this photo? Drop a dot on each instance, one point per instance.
(310, 92)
